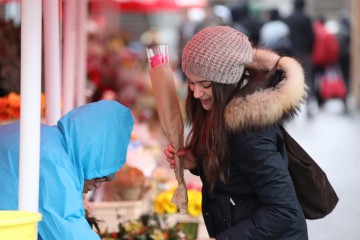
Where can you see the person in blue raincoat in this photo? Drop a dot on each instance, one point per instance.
(86, 146)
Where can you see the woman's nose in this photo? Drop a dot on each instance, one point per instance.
(197, 92)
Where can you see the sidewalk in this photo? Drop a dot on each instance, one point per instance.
(332, 139)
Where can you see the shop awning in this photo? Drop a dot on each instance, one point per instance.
(147, 6)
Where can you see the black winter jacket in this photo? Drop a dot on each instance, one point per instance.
(259, 200)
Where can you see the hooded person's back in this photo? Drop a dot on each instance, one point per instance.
(89, 142)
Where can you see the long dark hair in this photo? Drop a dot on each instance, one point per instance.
(208, 139)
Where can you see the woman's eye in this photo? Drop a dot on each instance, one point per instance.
(207, 86)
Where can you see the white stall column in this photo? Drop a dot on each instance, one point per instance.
(52, 61)
(69, 55)
(80, 81)
(29, 166)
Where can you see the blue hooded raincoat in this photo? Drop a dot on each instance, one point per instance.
(89, 142)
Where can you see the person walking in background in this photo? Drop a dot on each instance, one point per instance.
(186, 31)
(325, 53)
(274, 33)
(237, 96)
(210, 19)
(87, 147)
(344, 36)
(302, 38)
(326, 46)
(244, 22)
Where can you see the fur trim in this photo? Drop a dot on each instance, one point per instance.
(267, 58)
(268, 106)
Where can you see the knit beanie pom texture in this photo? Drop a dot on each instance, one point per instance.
(217, 54)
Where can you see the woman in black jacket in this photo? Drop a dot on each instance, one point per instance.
(237, 96)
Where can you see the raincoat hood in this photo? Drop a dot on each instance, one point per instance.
(265, 103)
(88, 142)
(96, 137)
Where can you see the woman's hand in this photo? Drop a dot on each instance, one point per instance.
(188, 158)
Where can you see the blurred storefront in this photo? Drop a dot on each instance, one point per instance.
(136, 17)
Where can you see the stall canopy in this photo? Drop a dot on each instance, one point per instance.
(148, 6)
(145, 6)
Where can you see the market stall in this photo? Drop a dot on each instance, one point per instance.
(62, 93)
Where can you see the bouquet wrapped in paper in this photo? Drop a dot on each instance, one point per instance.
(168, 108)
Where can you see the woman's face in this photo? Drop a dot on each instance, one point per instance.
(201, 89)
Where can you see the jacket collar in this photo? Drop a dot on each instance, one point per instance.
(266, 106)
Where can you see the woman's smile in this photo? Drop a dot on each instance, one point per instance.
(201, 89)
(206, 103)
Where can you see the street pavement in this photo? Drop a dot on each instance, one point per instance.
(332, 137)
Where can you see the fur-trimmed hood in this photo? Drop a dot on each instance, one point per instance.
(269, 105)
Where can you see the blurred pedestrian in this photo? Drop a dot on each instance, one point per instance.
(302, 39)
(244, 22)
(325, 53)
(210, 19)
(344, 36)
(326, 46)
(274, 33)
(186, 32)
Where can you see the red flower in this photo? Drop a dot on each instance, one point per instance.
(4, 114)
(3, 102)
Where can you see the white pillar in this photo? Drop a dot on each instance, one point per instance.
(52, 61)
(355, 53)
(81, 52)
(29, 166)
(69, 56)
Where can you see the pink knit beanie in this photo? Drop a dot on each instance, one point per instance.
(217, 54)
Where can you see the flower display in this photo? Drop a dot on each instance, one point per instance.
(147, 227)
(163, 204)
(194, 204)
(10, 106)
(163, 223)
